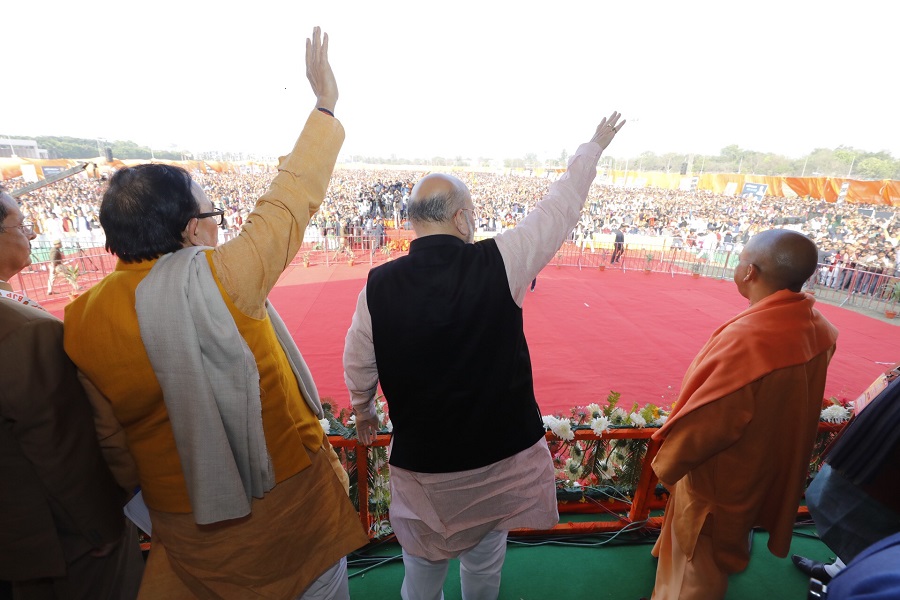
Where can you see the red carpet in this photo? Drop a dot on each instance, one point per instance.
(589, 332)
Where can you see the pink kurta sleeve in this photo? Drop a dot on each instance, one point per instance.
(360, 370)
(530, 245)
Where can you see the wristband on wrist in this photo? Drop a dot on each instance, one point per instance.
(326, 111)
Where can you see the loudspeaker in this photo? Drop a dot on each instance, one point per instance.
(108, 152)
(684, 168)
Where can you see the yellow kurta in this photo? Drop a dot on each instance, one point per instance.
(102, 337)
(137, 399)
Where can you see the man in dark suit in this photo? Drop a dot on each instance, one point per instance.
(619, 248)
(61, 521)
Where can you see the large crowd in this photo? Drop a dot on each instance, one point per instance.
(367, 202)
(174, 386)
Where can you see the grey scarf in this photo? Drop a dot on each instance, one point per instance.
(210, 384)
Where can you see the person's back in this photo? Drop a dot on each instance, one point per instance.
(61, 523)
(477, 368)
(64, 505)
(442, 330)
(727, 469)
(220, 411)
(619, 246)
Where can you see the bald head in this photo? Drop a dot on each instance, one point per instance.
(436, 198)
(785, 259)
(442, 204)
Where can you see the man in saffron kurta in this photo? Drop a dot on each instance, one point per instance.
(736, 447)
(290, 524)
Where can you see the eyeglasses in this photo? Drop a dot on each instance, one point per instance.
(27, 227)
(216, 213)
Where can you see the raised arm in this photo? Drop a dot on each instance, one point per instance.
(532, 243)
(249, 265)
(319, 73)
(607, 130)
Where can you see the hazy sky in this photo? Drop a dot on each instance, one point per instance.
(459, 78)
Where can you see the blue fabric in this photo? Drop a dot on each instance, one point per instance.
(873, 575)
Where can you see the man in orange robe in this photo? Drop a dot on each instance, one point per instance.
(737, 445)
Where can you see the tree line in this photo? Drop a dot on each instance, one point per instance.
(843, 161)
(77, 148)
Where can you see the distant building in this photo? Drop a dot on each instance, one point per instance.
(21, 148)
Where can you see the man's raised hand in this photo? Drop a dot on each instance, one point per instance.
(607, 130)
(318, 71)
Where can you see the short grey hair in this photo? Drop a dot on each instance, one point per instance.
(4, 212)
(437, 208)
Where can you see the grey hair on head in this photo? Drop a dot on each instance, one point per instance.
(436, 208)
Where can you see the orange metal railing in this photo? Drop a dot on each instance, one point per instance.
(633, 513)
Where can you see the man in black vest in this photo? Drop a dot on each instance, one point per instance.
(441, 330)
(619, 248)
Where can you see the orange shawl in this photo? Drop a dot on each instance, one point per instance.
(781, 330)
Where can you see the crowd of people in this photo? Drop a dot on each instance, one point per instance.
(204, 410)
(372, 202)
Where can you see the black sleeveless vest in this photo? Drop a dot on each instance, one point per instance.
(452, 358)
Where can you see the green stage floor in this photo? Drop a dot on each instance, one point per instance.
(593, 567)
